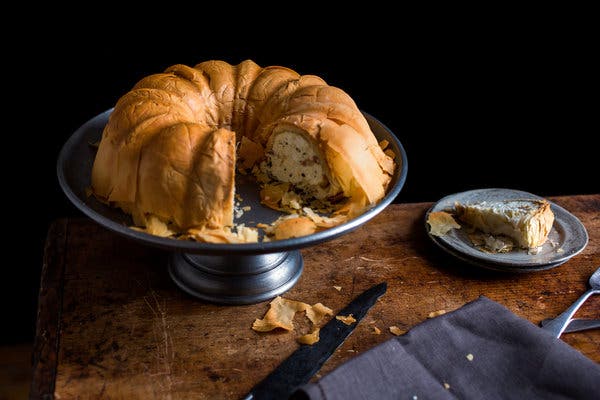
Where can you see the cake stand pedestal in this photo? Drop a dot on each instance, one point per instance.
(236, 279)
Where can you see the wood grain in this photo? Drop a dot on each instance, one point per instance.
(127, 332)
(45, 345)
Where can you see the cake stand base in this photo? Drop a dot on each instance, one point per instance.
(236, 279)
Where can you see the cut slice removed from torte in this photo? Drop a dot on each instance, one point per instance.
(527, 221)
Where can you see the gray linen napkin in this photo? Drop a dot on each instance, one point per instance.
(480, 351)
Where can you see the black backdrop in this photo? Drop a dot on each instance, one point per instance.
(499, 105)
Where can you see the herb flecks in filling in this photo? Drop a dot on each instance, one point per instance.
(293, 159)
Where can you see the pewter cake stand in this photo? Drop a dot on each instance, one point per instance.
(221, 273)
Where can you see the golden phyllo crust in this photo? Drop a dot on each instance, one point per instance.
(168, 152)
(527, 222)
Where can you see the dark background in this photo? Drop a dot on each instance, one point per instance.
(476, 104)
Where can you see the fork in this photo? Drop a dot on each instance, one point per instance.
(558, 324)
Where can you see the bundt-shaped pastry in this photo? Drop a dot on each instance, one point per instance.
(168, 153)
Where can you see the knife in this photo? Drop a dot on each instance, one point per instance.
(576, 325)
(299, 367)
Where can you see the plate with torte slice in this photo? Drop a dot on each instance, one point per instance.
(505, 229)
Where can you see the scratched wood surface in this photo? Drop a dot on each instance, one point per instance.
(111, 324)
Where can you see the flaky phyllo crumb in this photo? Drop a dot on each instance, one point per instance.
(281, 315)
(239, 234)
(304, 222)
(346, 319)
(441, 222)
(437, 313)
(396, 331)
(387, 151)
(155, 226)
(242, 234)
(491, 244)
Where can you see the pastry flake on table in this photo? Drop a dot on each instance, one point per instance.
(281, 315)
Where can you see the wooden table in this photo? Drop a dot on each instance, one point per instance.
(111, 324)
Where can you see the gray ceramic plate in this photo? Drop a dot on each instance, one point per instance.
(568, 234)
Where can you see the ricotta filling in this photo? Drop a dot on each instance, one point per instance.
(506, 218)
(293, 159)
(512, 218)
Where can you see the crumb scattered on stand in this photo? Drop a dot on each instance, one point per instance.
(338, 288)
(376, 330)
(396, 331)
(446, 386)
(238, 212)
(437, 313)
(470, 357)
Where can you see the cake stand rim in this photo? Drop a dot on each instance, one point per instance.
(186, 246)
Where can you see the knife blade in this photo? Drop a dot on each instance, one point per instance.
(576, 325)
(299, 367)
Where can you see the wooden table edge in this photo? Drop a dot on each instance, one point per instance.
(47, 335)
